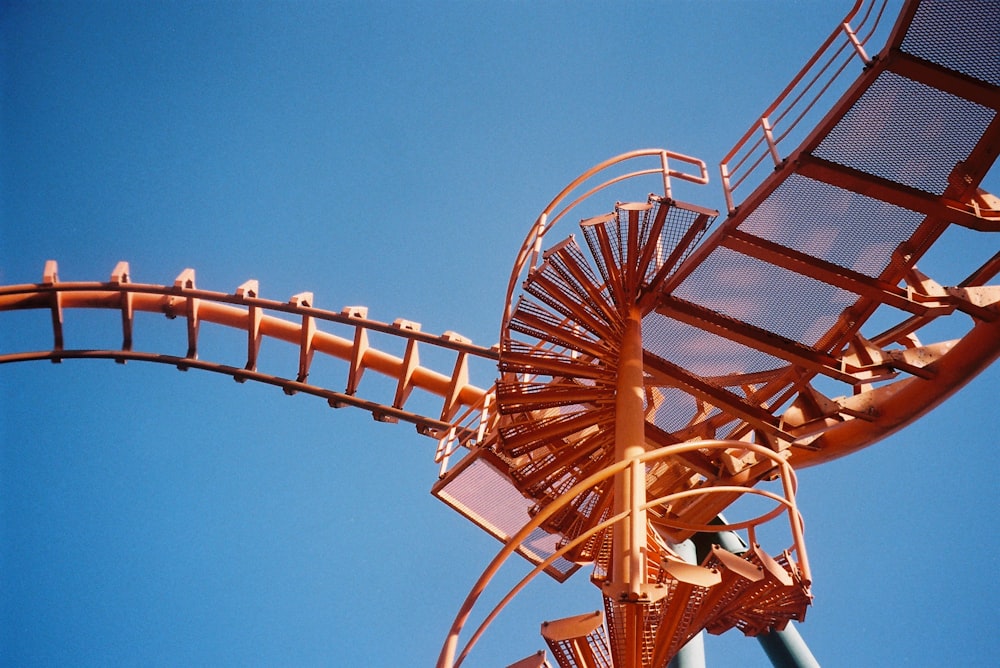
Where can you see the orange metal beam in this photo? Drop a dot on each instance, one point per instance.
(894, 406)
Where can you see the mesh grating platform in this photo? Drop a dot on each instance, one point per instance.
(938, 25)
(679, 221)
(702, 353)
(766, 296)
(479, 490)
(886, 133)
(833, 224)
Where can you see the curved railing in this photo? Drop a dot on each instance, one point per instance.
(450, 657)
(800, 96)
(531, 249)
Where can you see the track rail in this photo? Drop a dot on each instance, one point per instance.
(311, 329)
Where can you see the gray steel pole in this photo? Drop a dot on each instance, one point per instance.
(692, 655)
(727, 540)
(787, 649)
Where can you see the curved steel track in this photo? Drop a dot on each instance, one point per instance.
(262, 319)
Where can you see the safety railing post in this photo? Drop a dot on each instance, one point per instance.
(772, 146)
(853, 39)
(666, 175)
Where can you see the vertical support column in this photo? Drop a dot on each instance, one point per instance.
(629, 537)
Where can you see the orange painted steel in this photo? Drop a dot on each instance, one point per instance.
(744, 334)
(794, 584)
(579, 641)
(529, 254)
(655, 373)
(801, 95)
(246, 310)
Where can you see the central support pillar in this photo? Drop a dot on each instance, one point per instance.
(628, 572)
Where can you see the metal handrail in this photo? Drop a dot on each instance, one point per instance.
(785, 503)
(531, 249)
(800, 96)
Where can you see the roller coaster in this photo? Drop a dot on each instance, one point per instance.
(659, 366)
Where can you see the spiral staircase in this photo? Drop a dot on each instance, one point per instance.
(654, 371)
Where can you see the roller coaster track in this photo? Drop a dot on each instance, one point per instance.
(794, 333)
(261, 319)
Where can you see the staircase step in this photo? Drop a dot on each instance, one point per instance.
(578, 642)
(533, 396)
(753, 592)
(774, 600)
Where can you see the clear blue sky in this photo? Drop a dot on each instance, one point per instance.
(391, 155)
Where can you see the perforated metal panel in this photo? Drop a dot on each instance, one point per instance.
(833, 224)
(703, 353)
(887, 133)
(939, 24)
(481, 492)
(765, 295)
